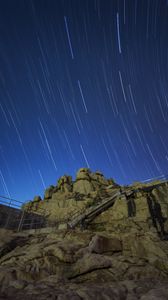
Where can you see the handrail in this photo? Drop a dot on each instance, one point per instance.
(4, 197)
(3, 202)
(162, 177)
(147, 187)
(92, 210)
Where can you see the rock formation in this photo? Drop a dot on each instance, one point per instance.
(69, 197)
(117, 247)
(83, 183)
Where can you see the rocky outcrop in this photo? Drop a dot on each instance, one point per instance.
(65, 184)
(87, 182)
(145, 205)
(121, 252)
(69, 197)
(48, 192)
(83, 184)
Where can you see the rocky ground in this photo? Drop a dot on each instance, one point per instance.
(64, 264)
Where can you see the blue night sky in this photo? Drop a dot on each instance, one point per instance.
(83, 83)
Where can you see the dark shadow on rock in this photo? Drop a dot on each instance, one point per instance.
(131, 206)
(15, 242)
(157, 216)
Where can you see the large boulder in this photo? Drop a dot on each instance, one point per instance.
(37, 199)
(99, 182)
(65, 183)
(88, 263)
(83, 184)
(101, 179)
(83, 187)
(33, 205)
(48, 192)
(101, 244)
(83, 173)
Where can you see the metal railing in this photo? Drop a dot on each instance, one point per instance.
(12, 216)
(158, 178)
(10, 202)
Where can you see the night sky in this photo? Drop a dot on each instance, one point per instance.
(83, 83)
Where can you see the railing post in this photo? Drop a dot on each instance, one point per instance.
(9, 215)
(7, 221)
(21, 221)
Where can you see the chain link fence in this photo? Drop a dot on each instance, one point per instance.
(12, 216)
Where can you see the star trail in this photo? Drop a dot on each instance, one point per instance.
(83, 83)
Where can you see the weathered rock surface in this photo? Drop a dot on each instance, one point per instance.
(82, 265)
(122, 253)
(101, 244)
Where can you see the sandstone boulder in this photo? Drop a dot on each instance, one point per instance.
(83, 173)
(48, 192)
(83, 184)
(83, 187)
(101, 179)
(37, 199)
(33, 205)
(88, 263)
(101, 244)
(65, 183)
(64, 251)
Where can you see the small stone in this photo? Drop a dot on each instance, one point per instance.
(17, 284)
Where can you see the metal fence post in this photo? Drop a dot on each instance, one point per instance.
(21, 221)
(7, 221)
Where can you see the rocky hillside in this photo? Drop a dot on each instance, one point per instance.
(116, 249)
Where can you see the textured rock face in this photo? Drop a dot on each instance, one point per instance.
(82, 265)
(37, 199)
(48, 192)
(101, 244)
(83, 184)
(101, 179)
(83, 187)
(142, 210)
(65, 184)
